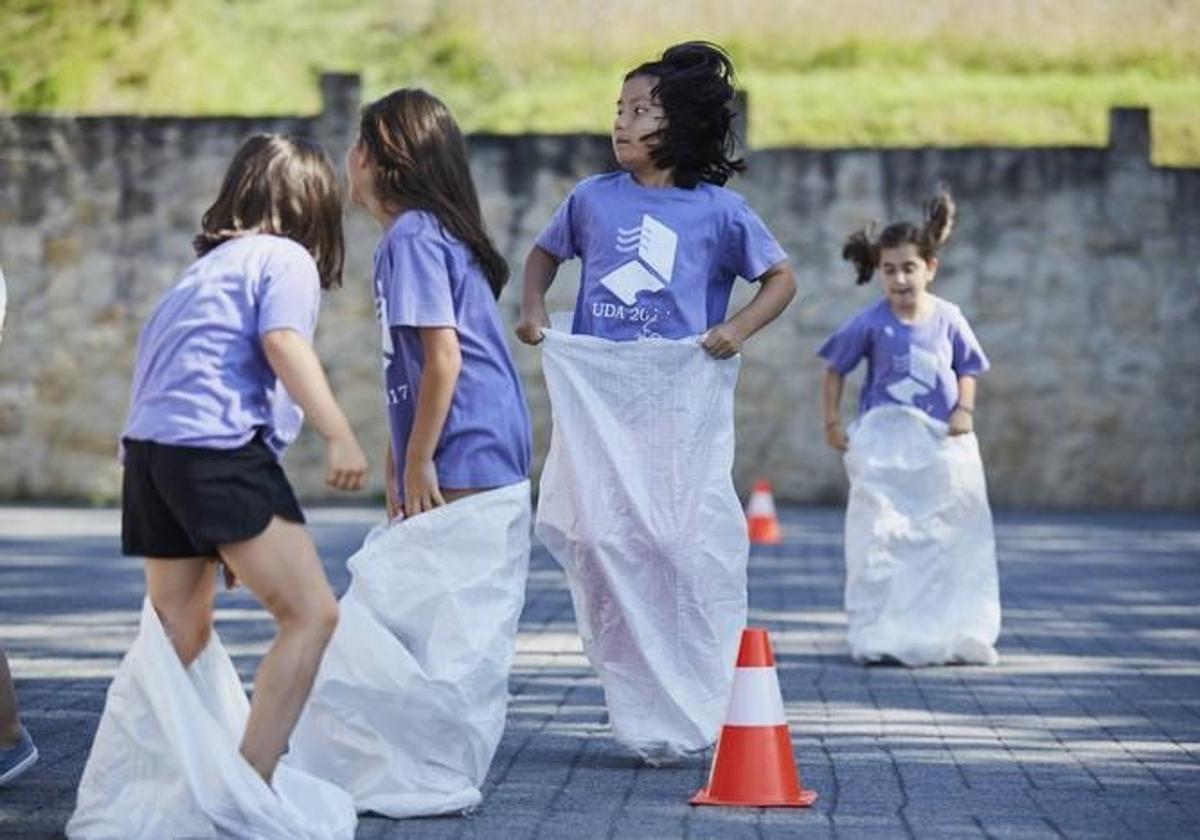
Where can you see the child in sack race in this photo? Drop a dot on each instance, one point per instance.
(921, 583)
(646, 522)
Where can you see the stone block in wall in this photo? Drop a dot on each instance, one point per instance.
(1127, 294)
(1129, 138)
(61, 251)
(15, 402)
(1003, 281)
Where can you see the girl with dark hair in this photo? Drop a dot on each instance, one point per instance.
(457, 412)
(919, 348)
(921, 585)
(637, 502)
(662, 241)
(224, 376)
(410, 703)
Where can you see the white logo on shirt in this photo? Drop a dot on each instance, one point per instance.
(655, 244)
(921, 368)
(398, 394)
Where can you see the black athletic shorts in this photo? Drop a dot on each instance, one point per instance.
(185, 501)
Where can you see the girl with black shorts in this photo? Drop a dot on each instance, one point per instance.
(225, 375)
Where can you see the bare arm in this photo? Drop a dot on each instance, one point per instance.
(540, 269)
(962, 418)
(295, 362)
(831, 401)
(776, 289)
(391, 496)
(439, 375)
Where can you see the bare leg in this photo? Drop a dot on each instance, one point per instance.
(182, 592)
(281, 568)
(10, 719)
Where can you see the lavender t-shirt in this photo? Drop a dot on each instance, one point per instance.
(201, 377)
(657, 261)
(907, 364)
(424, 277)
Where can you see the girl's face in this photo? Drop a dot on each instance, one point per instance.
(905, 274)
(638, 115)
(360, 174)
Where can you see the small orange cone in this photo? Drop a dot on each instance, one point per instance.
(760, 515)
(753, 765)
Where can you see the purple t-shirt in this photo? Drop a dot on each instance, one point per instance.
(907, 364)
(657, 261)
(201, 377)
(424, 277)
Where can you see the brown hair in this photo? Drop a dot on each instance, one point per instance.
(420, 161)
(283, 186)
(864, 251)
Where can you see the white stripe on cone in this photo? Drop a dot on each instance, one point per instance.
(756, 699)
(761, 504)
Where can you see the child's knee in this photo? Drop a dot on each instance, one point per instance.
(314, 613)
(325, 618)
(189, 633)
(318, 620)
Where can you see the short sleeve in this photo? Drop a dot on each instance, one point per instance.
(290, 291)
(417, 283)
(968, 358)
(845, 348)
(750, 250)
(558, 237)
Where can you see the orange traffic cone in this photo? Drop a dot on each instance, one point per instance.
(760, 515)
(753, 765)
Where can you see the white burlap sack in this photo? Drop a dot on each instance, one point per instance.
(165, 762)
(410, 702)
(921, 580)
(637, 504)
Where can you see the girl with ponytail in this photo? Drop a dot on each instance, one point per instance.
(921, 583)
(919, 348)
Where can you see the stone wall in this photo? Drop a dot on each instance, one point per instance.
(1079, 267)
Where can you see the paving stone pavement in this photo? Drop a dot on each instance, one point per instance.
(1089, 727)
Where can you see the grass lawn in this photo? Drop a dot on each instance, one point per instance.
(856, 72)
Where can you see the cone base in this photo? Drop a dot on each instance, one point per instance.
(753, 767)
(806, 798)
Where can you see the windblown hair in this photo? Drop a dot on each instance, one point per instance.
(284, 186)
(863, 249)
(694, 84)
(420, 161)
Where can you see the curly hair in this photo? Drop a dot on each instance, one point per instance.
(862, 248)
(694, 84)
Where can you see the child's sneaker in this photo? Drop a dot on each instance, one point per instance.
(16, 760)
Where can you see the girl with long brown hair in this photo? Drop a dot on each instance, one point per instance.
(410, 703)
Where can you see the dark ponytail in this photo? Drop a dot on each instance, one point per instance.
(939, 222)
(863, 251)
